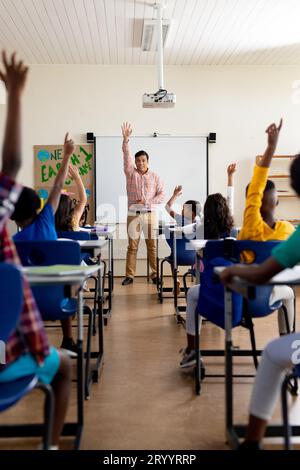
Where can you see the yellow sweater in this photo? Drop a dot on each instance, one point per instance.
(254, 227)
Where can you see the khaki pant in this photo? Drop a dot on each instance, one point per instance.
(136, 224)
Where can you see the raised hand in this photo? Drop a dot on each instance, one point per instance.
(126, 130)
(13, 74)
(177, 191)
(231, 169)
(73, 172)
(273, 133)
(68, 146)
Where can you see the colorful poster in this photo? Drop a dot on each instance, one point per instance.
(47, 161)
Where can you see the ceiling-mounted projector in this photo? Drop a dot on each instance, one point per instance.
(161, 98)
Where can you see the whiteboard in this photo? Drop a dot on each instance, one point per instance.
(177, 160)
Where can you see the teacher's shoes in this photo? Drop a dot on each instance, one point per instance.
(127, 281)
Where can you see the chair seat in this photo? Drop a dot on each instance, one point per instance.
(12, 392)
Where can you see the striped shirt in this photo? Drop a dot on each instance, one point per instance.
(147, 186)
(29, 335)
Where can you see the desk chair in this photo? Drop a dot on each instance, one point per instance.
(55, 302)
(78, 235)
(292, 377)
(184, 257)
(11, 300)
(232, 250)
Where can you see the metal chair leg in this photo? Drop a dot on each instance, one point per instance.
(197, 368)
(185, 283)
(286, 320)
(286, 426)
(88, 353)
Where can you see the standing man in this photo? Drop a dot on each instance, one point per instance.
(144, 190)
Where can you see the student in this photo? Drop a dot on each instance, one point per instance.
(68, 215)
(27, 349)
(39, 226)
(218, 223)
(278, 354)
(191, 211)
(260, 223)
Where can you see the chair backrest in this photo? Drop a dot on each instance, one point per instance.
(11, 299)
(52, 301)
(230, 251)
(260, 306)
(185, 256)
(74, 235)
(211, 299)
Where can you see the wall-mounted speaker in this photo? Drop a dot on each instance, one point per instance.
(90, 137)
(212, 138)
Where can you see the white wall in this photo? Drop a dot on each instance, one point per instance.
(235, 102)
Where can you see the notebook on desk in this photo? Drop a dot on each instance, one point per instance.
(59, 270)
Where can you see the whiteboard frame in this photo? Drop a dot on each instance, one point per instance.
(157, 136)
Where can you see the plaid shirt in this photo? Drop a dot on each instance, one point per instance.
(147, 186)
(29, 334)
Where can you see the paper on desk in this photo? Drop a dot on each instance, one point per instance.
(59, 270)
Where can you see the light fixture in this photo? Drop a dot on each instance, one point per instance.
(149, 37)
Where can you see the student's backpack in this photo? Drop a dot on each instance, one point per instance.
(211, 304)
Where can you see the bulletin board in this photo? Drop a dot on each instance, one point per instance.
(47, 161)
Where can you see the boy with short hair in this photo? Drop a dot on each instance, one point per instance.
(260, 224)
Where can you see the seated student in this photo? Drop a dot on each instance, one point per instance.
(68, 215)
(278, 354)
(27, 349)
(39, 226)
(218, 223)
(260, 224)
(191, 211)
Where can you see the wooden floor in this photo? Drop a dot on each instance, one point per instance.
(143, 400)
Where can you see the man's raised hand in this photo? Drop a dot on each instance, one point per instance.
(126, 130)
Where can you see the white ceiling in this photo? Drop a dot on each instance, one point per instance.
(210, 32)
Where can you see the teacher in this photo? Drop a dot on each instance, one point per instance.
(144, 190)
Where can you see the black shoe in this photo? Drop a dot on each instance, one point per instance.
(69, 346)
(127, 281)
(154, 280)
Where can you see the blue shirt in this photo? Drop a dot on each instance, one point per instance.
(42, 228)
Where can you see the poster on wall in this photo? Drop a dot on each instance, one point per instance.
(47, 161)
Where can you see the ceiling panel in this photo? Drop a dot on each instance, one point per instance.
(203, 32)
